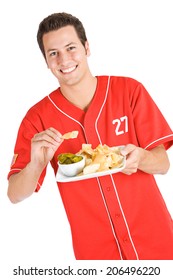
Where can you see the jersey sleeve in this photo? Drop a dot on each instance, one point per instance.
(151, 127)
(22, 149)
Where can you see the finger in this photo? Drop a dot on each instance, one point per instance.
(126, 172)
(55, 131)
(45, 144)
(127, 149)
(50, 135)
(45, 140)
(129, 171)
(55, 134)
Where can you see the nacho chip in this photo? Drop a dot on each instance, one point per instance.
(101, 158)
(70, 135)
(92, 168)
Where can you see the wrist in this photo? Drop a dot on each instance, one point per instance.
(143, 154)
(35, 169)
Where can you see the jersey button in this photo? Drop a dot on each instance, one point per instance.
(117, 216)
(125, 240)
(108, 189)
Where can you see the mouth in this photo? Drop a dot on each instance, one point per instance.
(68, 70)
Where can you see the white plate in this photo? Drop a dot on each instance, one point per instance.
(62, 178)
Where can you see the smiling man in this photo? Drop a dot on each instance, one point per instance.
(117, 216)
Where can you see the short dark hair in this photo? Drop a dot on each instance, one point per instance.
(56, 21)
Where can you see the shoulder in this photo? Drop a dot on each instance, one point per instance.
(42, 106)
(120, 80)
(125, 81)
(126, 87)
(38, 115)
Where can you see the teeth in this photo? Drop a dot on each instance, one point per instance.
(68, 70)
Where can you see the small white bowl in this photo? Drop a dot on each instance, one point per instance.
(72, 169)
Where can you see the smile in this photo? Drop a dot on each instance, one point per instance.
(68, 70)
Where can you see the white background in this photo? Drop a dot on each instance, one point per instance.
(128, 37)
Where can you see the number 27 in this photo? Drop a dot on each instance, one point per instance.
(119, 123)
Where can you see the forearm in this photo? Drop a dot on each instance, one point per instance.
(155, 161)
(23, 184)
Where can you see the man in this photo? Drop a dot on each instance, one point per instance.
(115, 216)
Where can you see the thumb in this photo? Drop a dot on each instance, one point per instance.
(124, 152)
(127, 149)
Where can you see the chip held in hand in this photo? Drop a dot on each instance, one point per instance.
(70, 135)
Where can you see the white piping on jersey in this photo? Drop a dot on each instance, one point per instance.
(15, 169)
(39, 184)
(118, 199)
(96, 122)
(96, 128)
(157, 140)
(113, 231)
(124, 217)
(18, 170)
(68, 116)
(111, 223)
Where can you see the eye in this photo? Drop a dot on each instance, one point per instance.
(71, 48)
(53, 53)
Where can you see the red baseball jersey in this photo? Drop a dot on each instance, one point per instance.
(115, 216)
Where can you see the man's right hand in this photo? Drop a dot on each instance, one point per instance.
(44, 145)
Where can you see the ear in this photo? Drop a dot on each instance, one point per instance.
(87, 49)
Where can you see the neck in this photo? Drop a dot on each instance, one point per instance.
(80, 94)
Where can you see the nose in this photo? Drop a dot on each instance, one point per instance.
(63, 58)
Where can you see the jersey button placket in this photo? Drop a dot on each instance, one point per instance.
(119, 222)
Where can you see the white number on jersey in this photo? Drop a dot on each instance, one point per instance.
(121, 125)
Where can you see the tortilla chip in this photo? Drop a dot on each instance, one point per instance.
(70, 135)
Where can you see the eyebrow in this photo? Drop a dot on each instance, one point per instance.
(71, 43)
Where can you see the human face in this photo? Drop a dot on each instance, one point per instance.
(66, 57)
